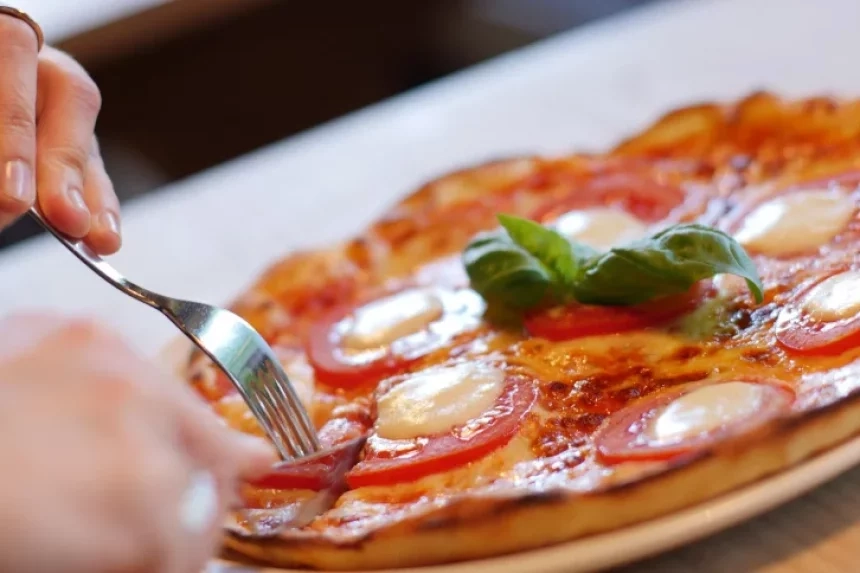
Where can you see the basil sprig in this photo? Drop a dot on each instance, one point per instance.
(525, 264)
(504, 273)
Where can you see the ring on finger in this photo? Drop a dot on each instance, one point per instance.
(199, 503)
(24, 17)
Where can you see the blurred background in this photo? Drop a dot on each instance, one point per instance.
(189, 84)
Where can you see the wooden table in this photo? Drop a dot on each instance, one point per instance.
(206, 237)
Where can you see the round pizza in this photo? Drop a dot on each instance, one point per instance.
(539, 349)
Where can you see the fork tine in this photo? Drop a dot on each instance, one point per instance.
(265, 410)
(279, 425)
(283, 418)
(279, 421)
(287, 400)
(286, 408)
(287, 413)
(261, 413)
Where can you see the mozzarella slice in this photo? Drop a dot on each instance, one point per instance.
(835, 298)
(383, 321)
(796, 222)
(704, 410)
(600, 228)
(436, 400)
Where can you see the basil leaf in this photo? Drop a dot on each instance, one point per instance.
(504, 273)
(670, 262)
(525, 264)
(561, 257)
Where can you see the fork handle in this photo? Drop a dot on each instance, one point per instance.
(87, 256)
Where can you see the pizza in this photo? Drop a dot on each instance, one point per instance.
(540, 349)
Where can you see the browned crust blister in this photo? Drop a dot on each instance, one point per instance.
(761, 138)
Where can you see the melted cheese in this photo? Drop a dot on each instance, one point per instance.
(301, 375)
(600, 228)
(438, 399)
(729, 286)
(706, 409)
(835, 298)
(796, 222)
(383, 321)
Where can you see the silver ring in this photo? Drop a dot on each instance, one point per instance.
(199, 503)
(24, 17)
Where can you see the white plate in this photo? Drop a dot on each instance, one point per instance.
(651, 537)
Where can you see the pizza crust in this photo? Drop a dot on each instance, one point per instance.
(472, 526)
(478, 528)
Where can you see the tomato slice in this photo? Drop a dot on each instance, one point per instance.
(324, 470)
(800, 332)
(335, 366)
(331, 367)
(640, 196)
(621, 437)
(578, 320)
(395, 461)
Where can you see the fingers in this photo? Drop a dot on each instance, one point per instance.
(149, 490)
(209, 442)
(48, 111)
(229, 453)
(22, 332)
(204, 444)
(125, 432)
(68, 107)
(104, 235)
(18, 61)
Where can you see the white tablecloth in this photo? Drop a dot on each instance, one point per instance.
(206, 237)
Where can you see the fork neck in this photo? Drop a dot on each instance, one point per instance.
(101, 267)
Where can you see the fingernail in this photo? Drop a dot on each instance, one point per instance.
(108, 220)
(18, 182)
(77, 199)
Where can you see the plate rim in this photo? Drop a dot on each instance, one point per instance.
(644, 539)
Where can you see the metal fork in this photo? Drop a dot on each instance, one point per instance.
(232, 344)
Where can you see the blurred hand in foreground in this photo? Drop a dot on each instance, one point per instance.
(106, 455)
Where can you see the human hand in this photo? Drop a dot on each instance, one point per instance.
(98, 449)
(48, 111)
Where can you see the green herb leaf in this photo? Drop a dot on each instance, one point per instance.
(504, 273)
(670, 262)
(561, 258)
(525, 264)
